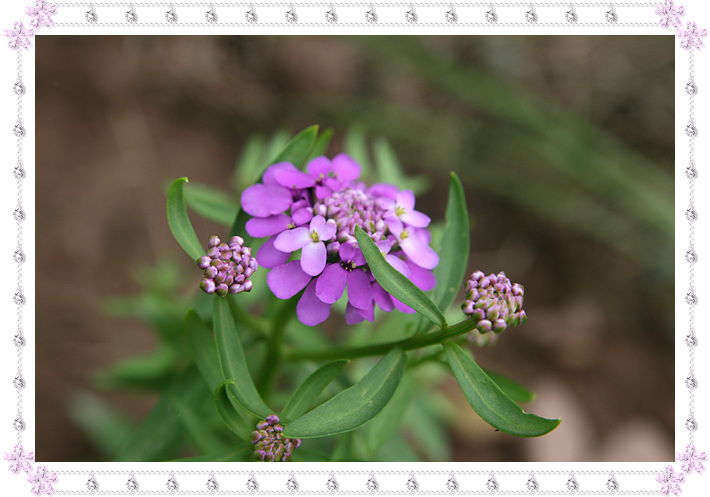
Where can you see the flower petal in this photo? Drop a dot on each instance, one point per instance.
(310, 309)
(259, 227)
(402, 307)
(327, 231)
(294, 179)
(269, 256)
(382, 298)
(368, 313)
(287, 280)
(271, 172)
(345, 168)
(359, 293)
(419, 252)
(352, 315)
(398, 264)
(331, 283)
(264, 200)
(319, 167)
(405, 200)
(323, 192)
(292, 240)
(423, 278)
(416, 219)
(383, 190)
(313, 258)
(302, 216)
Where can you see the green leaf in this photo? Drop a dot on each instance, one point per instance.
(453, 255)
(233, 363)
(151, 371)
(298, 148)
(321, 146)
(203, 348)
(390, 170)
(512, 389)
(106, 426)
(489, 401)
(160, 436)
(241, 453)
(179, 222)
(355, 406)
(355, 145)
(386, 423)
(395, 283)
(194, 425)
(213, 204)
(307, 393)
(232, 418)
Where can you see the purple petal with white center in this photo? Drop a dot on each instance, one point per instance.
(416, 219)
(271, 172)
(292, 240)
(352, 315)
(381, 297)
(423, 278)
(359, 293)
(294, 179)
(345, 168)
(269, 256)
(331, 283)
(287, 280)
(395, 225)
(265, 200)
(310, 310)
(419, 252)
(259, 227)
(383, 190)
(319, 167)
(313, 258)
(302, 216)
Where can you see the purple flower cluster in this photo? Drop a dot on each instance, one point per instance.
(269, 444)
(494, 302)
(227, 267)
(316, 212)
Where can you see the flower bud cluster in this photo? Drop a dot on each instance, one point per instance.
(493, 302)
(269, 444)
(227, 267)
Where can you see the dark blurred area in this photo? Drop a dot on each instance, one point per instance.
(564, 144)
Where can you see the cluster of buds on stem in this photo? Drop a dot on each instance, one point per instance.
(227, 267)
(494, 302)
(269, 444)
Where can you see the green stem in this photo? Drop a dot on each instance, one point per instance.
(412, 343)
(272, 361)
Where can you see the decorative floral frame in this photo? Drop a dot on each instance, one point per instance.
(400, 17)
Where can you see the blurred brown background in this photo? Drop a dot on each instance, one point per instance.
(118, 117)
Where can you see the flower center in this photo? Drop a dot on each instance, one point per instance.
(400, 211)
(314, 236)
(352, 207)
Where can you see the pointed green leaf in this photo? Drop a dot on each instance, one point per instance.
(298, 148)
(512, 389)
(232, 418)
(321, 146)
(385, 425)
(307, 393)
(395, 283)
(355, 406)
(453, 255)
(213, 204)
(233, 363)
(203, 348)
(204, 439)
(355, 145)
(179, 222)
(489, 401)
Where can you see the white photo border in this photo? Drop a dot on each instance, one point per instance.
(470, 18)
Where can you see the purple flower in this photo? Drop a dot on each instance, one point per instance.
(20, 460)
(316, 212)
(670, 481)
(692, 36)
(311, 241)
(669, 13)
(19, 36)
(42, 481)
(41, 14)
(269, 444)
(227, 267)
(692, 460)
(493, 302)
